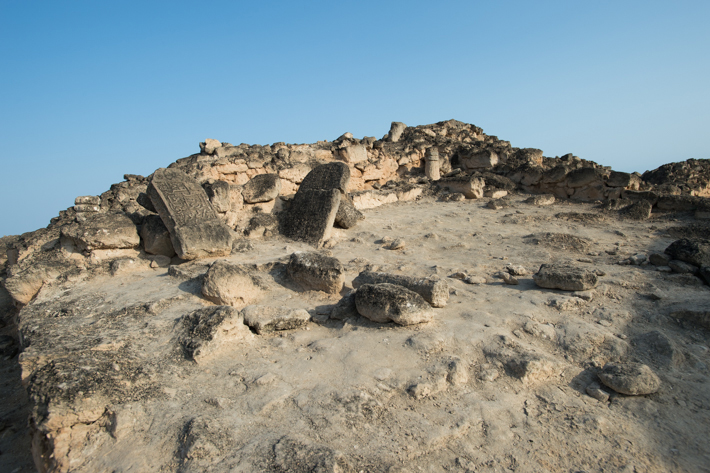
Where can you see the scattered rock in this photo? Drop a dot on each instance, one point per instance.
(541, 200)
(565, 276)
(315, 271)
(682, 267)
(633, 379)
(510, 279)
(397, 244)
(263, 319)
(596, 391)
(435, 292)
(262, 188)
(230, 284)
(640, 210)
(695, 251)
(206, 332)
(391, 303)
(396, 131)
(658, 259)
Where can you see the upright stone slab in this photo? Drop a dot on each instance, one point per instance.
(195, 229)
(315, 206)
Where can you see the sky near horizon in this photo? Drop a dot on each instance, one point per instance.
(90, 91)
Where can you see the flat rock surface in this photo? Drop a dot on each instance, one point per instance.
(496, 381)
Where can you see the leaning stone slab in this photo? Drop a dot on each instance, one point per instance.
(314, 271)
(434, 292)
(206, 332)
(262, 188)
(633, 379)
(195, 229)
(264, 319)
(312, 215)
(328, 176)
(564, 276)
(391, 303)
(230, 284)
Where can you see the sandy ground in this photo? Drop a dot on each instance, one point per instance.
(353, 395)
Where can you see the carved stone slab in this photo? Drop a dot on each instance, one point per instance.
(328, 176)
(195, 229)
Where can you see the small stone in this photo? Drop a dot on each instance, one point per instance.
(630, 378)
(390, 303)
(638, 259)
(510, 279)
(659, 259)
(595, 390)
(316, 271)
(565, 276)
(516, 270)
(160, 261)
(397, 244)
(264, 319)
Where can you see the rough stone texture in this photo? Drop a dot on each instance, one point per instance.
(567, 277)
(432, 167)
(102, 232)
(312, 215)
(87, 200)
(478, 159)
(219, 195)
(353, 154)
(700, 317)
(262, 188)
(633, 379)
(348, 215)
(396, 130)
(391, 303)
(195, 230)
(541, 200)
(640, 210)
(659, 348)
(156, 238)
(315, 271)
(207, 331)
(435, 292)
(470, 186)
(263, 319)
(230, 284)
(695, 251)
(209, 146)
(328, 176)
(24, 285)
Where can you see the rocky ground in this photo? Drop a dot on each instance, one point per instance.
(505, 377)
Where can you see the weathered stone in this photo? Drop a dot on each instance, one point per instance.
(262, 188)
(565, 276)
(87, 200)
(659, 259)
(532, 368)
(209, 146)
(156, 238)
(86, 208)
(596, 391)
(219, 195)
(470, 186)
(640, 210)
(348, 215)
(328, 176)
(315, 271)
(263, 319)
(103, 231)
(195, 230)
(24, 285)
(682, 267)
(623, 179)
(630, 378)
(659, 348)
(432, 166)
(479, 159)
(312, 215)
(391, 303)
(695, 251)
(260, 225)
(345, 307)
(582, 177)
(353, 153)
(541, 200)
(230, 284)
(396, 130)
(208, 331)
(435, 292)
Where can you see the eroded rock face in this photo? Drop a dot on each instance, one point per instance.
(695, 251)
(633, 379)
(262, 188)
(567, 277)
(195, 230)
(315, 271)
(391, 303)
(312, 215)
(230, 284)
(347, 215)
(207, 331)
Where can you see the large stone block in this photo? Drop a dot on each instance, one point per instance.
(435, 292)
(567, 277)
(470, 186)
(312, 215)
(103, 231)
(262, 188)
(314, 271)
(195, 229)
(388, 302)
(328, 176)
(231, 284)
(156, 238)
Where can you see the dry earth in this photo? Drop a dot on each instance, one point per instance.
(496, 382)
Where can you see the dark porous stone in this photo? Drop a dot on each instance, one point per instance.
(311, 215)
(566, 277)
(103, 231)
(156, 238)
(582, 177)
(218, 193)
(262, 188)
(328, 176)
(435, 292)
(640, 210)
(195, 229)
(391, 303)
(348, 215)
(315, 271)
(695, 251)
(633, 379)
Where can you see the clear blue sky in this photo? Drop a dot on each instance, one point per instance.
(92, 90)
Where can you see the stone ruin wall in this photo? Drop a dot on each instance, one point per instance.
(392, 168)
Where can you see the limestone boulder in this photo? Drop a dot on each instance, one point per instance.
(209, 331)
(435, 292)
(391, 303)
(347, 216)
(263, 319)
(103, 231)
(633, 379)
(262, 188)
(565, 276)
(316, 271)
(396, 130)
(231, 284)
